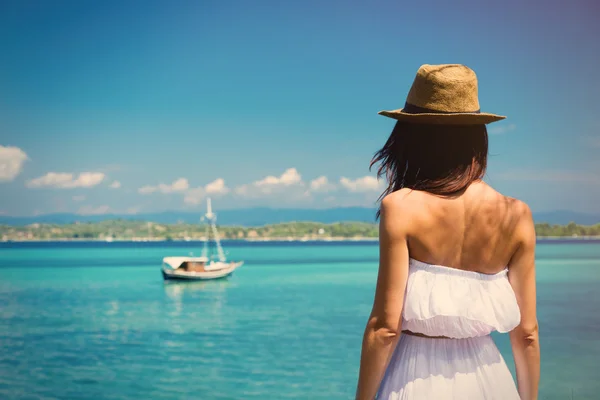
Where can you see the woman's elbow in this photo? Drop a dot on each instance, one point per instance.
(380, 333)
(527, 333)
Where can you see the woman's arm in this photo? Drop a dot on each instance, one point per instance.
(524, 338)
(384, 325)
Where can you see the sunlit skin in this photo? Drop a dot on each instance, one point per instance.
(477, 229)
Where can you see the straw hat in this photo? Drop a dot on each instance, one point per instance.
(443, 94)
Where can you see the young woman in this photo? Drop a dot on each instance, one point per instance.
(456, 257)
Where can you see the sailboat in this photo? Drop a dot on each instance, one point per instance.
(206, 266)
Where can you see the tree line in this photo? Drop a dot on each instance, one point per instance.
(131, 230)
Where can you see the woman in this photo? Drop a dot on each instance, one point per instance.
(456, 257)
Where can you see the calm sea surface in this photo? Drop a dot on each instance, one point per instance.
(96, 321)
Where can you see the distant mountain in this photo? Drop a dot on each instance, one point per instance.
(246, 217)
(563, 217)
(263, 216)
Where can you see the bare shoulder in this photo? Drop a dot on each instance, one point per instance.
(524, 228)
(512, 216)
(513, 209)
(520, 210)
(400, 201)
(398, 210)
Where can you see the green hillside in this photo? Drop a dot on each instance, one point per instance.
(138, 230)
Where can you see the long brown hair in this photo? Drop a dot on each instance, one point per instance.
(439, 159)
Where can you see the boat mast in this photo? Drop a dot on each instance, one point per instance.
(206, 240)
(212, 218)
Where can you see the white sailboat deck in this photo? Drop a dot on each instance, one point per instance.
(203, 267)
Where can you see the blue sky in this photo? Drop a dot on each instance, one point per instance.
(146, 106)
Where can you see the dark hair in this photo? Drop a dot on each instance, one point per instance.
(439, 159)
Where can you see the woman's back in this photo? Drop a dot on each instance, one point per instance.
(470, 231)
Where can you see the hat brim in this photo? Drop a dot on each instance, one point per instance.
(446, 119)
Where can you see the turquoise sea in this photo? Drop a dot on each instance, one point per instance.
(96, 321)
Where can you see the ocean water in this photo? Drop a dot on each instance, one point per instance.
(96, 321)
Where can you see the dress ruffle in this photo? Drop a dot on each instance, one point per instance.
(442, 301)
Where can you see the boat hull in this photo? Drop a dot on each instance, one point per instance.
(171, 274)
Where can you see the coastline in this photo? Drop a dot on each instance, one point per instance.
(136, 231)
(198, 240)
(262, 240)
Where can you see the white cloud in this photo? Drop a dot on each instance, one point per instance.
(115, 185)
(11, 162)
(289, 177)
(67, 180)
(271, 184)
(90, 210)
(321, 184)
(179, 185)
(500, 129)
(194, 196)
(147, 189)
(78, 198)
(364, 184)
(217, 187)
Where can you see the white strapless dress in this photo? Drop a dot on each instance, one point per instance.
(466, 307)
